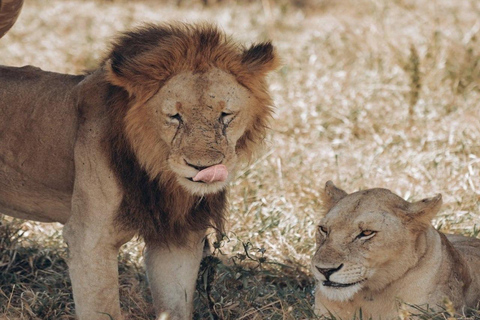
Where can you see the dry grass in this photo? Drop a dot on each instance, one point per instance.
(373, 93)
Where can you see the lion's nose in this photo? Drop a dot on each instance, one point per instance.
(327, 272)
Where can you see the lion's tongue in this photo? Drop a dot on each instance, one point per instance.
(212, 174)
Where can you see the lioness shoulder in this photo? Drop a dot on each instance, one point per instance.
(376, 251)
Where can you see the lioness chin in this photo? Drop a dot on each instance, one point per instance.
(144, 145)
(376, 251)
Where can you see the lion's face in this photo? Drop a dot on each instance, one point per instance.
(366, 240)
(199, 118)
(197, 102)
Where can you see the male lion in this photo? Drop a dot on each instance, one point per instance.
(144, 145)
(375, 250)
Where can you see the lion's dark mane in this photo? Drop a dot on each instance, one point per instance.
(139, 64)
(154, 208)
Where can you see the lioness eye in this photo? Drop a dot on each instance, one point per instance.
(323, 229)
(366, 234)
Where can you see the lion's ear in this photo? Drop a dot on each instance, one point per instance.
(260, 59)
(331, 195)
(424, 211)
(115, 74)
(131, 74)
(134, 62)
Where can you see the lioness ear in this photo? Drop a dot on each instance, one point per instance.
(260, 58)
(331, 195)
(424, 211)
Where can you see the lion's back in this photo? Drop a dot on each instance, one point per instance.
(38, 126)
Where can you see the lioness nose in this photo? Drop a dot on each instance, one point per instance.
(327, 272)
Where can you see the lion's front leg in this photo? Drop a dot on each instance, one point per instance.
(172, 272)
(93, 243)
(91, 233)
(93, 268)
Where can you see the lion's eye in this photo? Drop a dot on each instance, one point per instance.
(226, 117)
(366, 234)
(175, 117)
(323, 229)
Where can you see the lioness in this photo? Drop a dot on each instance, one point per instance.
(376, 250)
(144, 145)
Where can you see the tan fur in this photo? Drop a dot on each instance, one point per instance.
(376, 251)
(102, 154)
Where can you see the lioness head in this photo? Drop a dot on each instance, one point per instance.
(197, 101)
(367, 239)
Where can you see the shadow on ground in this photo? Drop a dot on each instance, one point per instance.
(34, 284)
